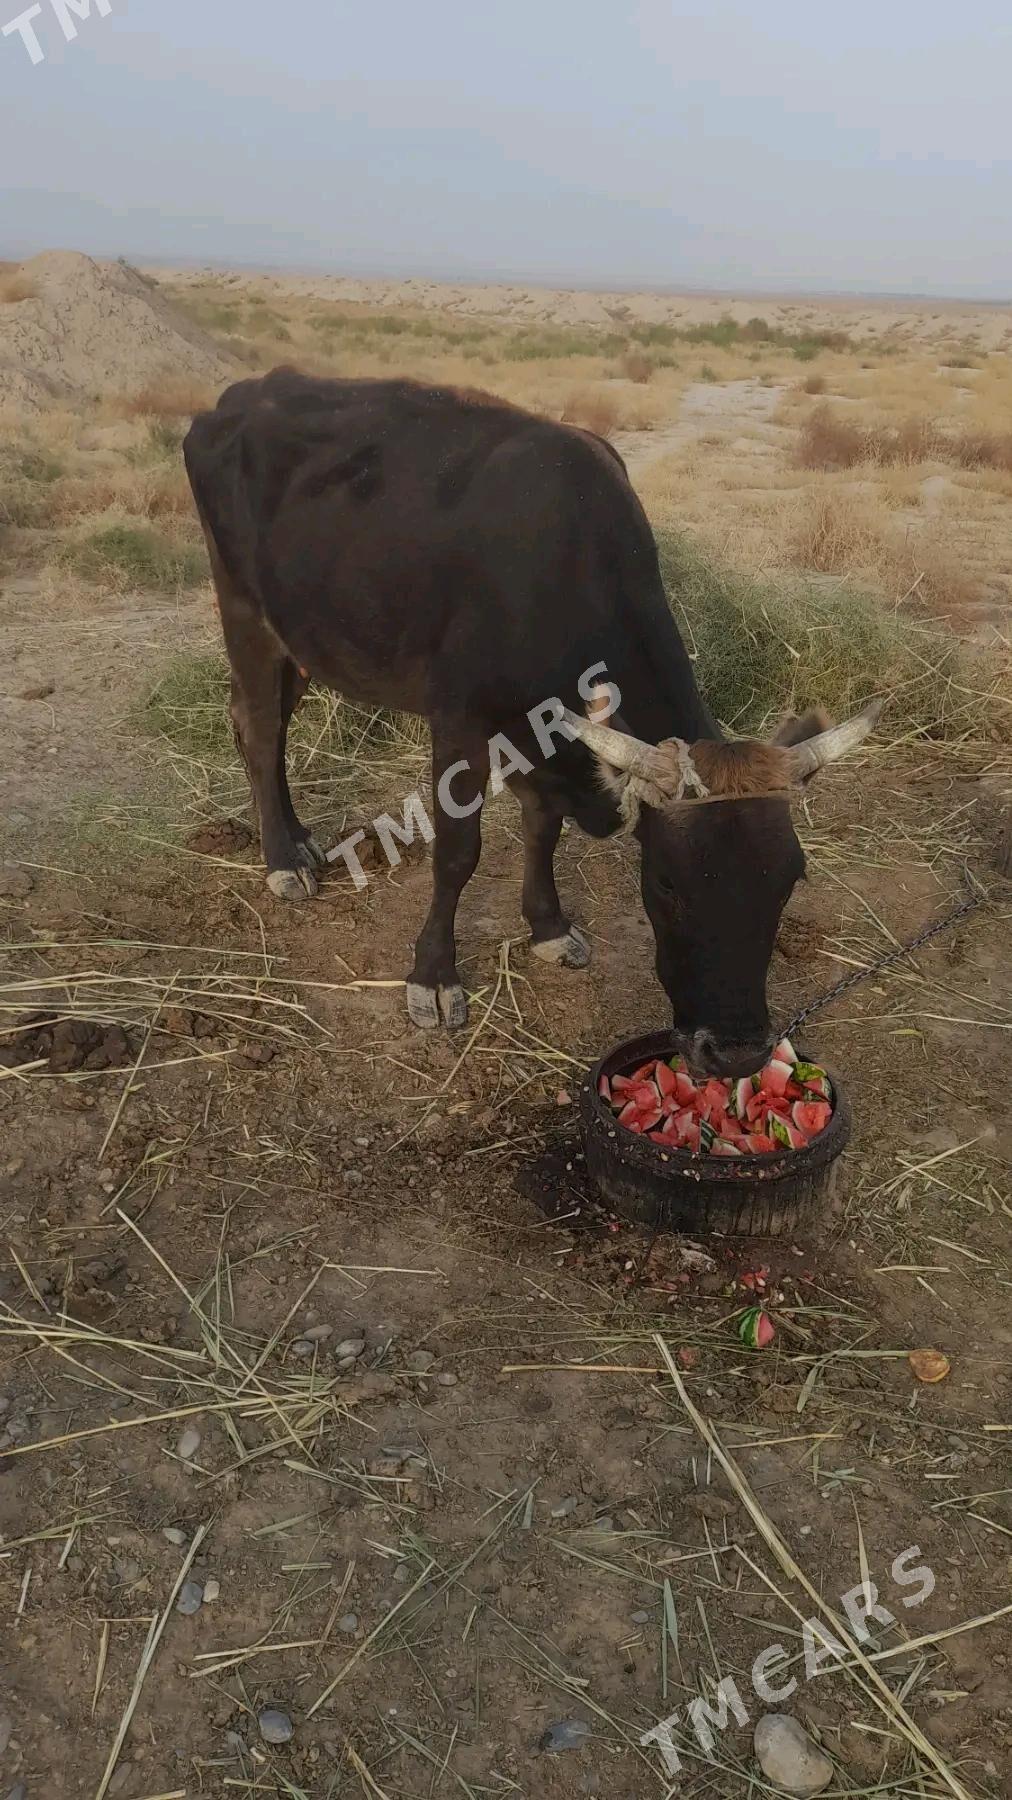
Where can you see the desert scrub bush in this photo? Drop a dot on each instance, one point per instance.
(27, 476)
(593, 408)
(635, 365)
(123, 555)
(762, 649)
(814, 384)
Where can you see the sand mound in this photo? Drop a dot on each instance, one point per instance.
(91, 328)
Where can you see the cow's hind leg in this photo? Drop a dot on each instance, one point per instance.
(434, 992)
(266, 688)
(554, 938)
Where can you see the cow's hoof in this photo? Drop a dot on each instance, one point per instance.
(293, 884)
(569, 952)
(429, 1007)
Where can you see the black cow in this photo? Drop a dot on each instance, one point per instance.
(445, 553)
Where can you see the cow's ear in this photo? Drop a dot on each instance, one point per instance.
(794, 730)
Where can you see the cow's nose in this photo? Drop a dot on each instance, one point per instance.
(730, 1059)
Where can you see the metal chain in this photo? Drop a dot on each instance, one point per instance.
(886, 961)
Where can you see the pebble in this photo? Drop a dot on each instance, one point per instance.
(275, 1726)
(565, 1734)
(565, 1507)
(189, 1443)
(191, 1595)
(318, 1334)
(303, 1347)
(640, 1618)
(349, 1349)
(787, 1755)
(420, 1362)
(175, 1535)
(212, 1589)
(349, 1624)
(447, 1379)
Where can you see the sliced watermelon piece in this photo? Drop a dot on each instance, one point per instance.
(621, 1084)
(707, 1135)
(794, 1091)
(644, 1072)
(818, 1088)
(666, 1081)
(712, 1102)
(785, 1132)
(689, 1138)
(723, 1146)
(758, 1143)
(808, 1073)
(677, 1065)
(741, 1094)
(774, 1078)
(629, 1114)
(811, 1116)
(756, 1108)
(685, 1088)
(785, 1052)
(604, 1089)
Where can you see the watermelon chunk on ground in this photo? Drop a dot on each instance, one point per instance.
(785, 1052)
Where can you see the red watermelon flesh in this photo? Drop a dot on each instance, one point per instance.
(774, 1079)
(783, 1107)
(811, 1116)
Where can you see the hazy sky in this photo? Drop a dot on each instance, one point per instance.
(786, 144)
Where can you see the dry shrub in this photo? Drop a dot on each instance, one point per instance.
(828, 441)
(166, 399)
(637, 366)
(594, 409)
(832, 537)
(814, 384)
(983, 450)
(15, 286)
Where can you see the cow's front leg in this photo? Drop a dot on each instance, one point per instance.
(460, 770)
(553, 937)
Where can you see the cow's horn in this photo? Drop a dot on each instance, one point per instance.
(617, 748)
(839, 740)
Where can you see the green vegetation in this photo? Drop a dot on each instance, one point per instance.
(124, 555)
(763, 649)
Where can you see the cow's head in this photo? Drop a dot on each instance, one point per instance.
(720, 858)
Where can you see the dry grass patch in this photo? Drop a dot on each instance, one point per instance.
(593, 408)
(167, 399)
(834, 536)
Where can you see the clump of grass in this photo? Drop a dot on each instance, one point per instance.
(707, 373)
(814, 384)
(189, 709)
(830, 441)
(635, 365)
(125, 555)
(167, 399)
(27, 474)
(762, 650)
(832, 538)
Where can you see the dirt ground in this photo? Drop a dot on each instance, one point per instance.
(311, 1321)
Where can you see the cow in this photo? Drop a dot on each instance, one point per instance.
(445, 553)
